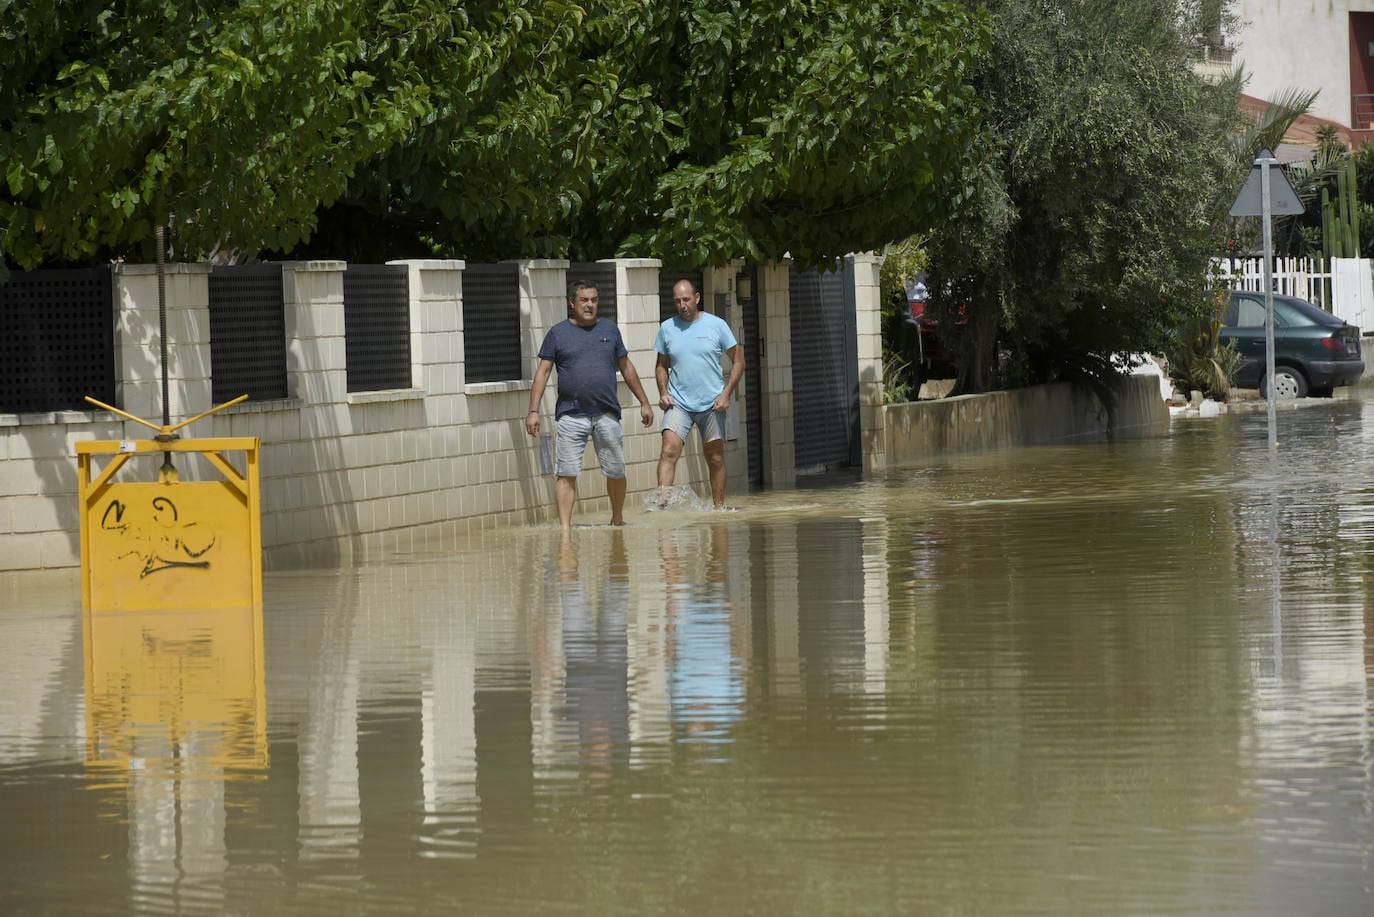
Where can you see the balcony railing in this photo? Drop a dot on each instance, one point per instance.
(1362, 112)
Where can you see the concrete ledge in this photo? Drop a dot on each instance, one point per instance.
(632, 262)
(494, 388)
(66, 418)
(386, 395)
(289, 403)
(173, 267)
(434, 264)
(917, 431)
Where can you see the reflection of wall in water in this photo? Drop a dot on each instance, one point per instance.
(830, 595)
(42, 703)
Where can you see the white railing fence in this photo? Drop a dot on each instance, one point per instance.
(1305, 278)
(1342, 286)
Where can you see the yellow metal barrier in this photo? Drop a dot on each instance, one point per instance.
(170, 543)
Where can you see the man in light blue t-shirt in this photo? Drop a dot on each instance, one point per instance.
(692, 388)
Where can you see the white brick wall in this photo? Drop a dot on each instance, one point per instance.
(372, 471)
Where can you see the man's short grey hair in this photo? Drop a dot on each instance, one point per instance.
(577, 286)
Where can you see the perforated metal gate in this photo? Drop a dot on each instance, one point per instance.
(603, 275)
(247, 333)
(752, 345)
(56, 340)
(491, 322)
(377, 326)
(666, 278)
(825, 375)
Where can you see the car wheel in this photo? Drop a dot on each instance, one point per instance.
(1289, 383)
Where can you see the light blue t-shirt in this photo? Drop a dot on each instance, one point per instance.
(694, 349)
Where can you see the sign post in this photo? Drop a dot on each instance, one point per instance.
(1263, 197)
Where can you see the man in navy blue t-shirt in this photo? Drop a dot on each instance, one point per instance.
(587, 351)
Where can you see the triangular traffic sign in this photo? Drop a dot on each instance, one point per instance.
(1283, 200)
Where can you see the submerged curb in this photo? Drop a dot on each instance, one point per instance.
(1248, 401)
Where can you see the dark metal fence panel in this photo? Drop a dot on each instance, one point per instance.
(56, 340)
(603, 275)
(823, 347)
(491, 322)
(247, 333)
(377, 326)
(752, 346)
(666, 278)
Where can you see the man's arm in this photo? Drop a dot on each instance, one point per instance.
(665, 400)
(631, 376)
(736, 373)
(541, 379)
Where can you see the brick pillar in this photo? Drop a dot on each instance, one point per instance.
(636, 282)
(779, 451)
(868, 308)
(436, 326)
(139, 344)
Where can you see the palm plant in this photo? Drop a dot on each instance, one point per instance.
(1199, 361)
(1265, 130)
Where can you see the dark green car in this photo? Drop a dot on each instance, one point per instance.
(1314, 351)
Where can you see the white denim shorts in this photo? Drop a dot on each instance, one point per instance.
(606, 435)
(710, 423)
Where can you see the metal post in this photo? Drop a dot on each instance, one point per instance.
(168, 472)
(162, 320)
(1266, 208)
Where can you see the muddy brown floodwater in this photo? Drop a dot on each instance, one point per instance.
(1132, 677)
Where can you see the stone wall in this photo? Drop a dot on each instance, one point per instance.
(348, 474)
(353, 474)
(919, 430)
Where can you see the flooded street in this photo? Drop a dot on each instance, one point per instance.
(1128, 678)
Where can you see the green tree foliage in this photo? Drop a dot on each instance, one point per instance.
(237, 121)
(373, 128)
(1102, 198)
(713, 130)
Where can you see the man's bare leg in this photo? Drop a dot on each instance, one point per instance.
(615, 489)
(715, 466)
(564, 496)
(667, 463)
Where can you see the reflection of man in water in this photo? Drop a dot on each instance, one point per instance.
(706, 680)
(595, 654)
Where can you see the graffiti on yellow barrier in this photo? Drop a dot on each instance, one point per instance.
(166, 543)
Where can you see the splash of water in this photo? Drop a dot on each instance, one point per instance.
(677, 497)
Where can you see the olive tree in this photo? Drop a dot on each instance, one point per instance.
(1091, 232)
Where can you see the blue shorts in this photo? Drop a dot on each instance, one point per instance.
(606, 436)
(710, 423)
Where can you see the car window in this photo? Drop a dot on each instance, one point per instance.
(1286, 314)
(1301, 313)
(1249, 312)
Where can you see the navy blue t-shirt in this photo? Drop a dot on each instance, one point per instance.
(586, 361)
